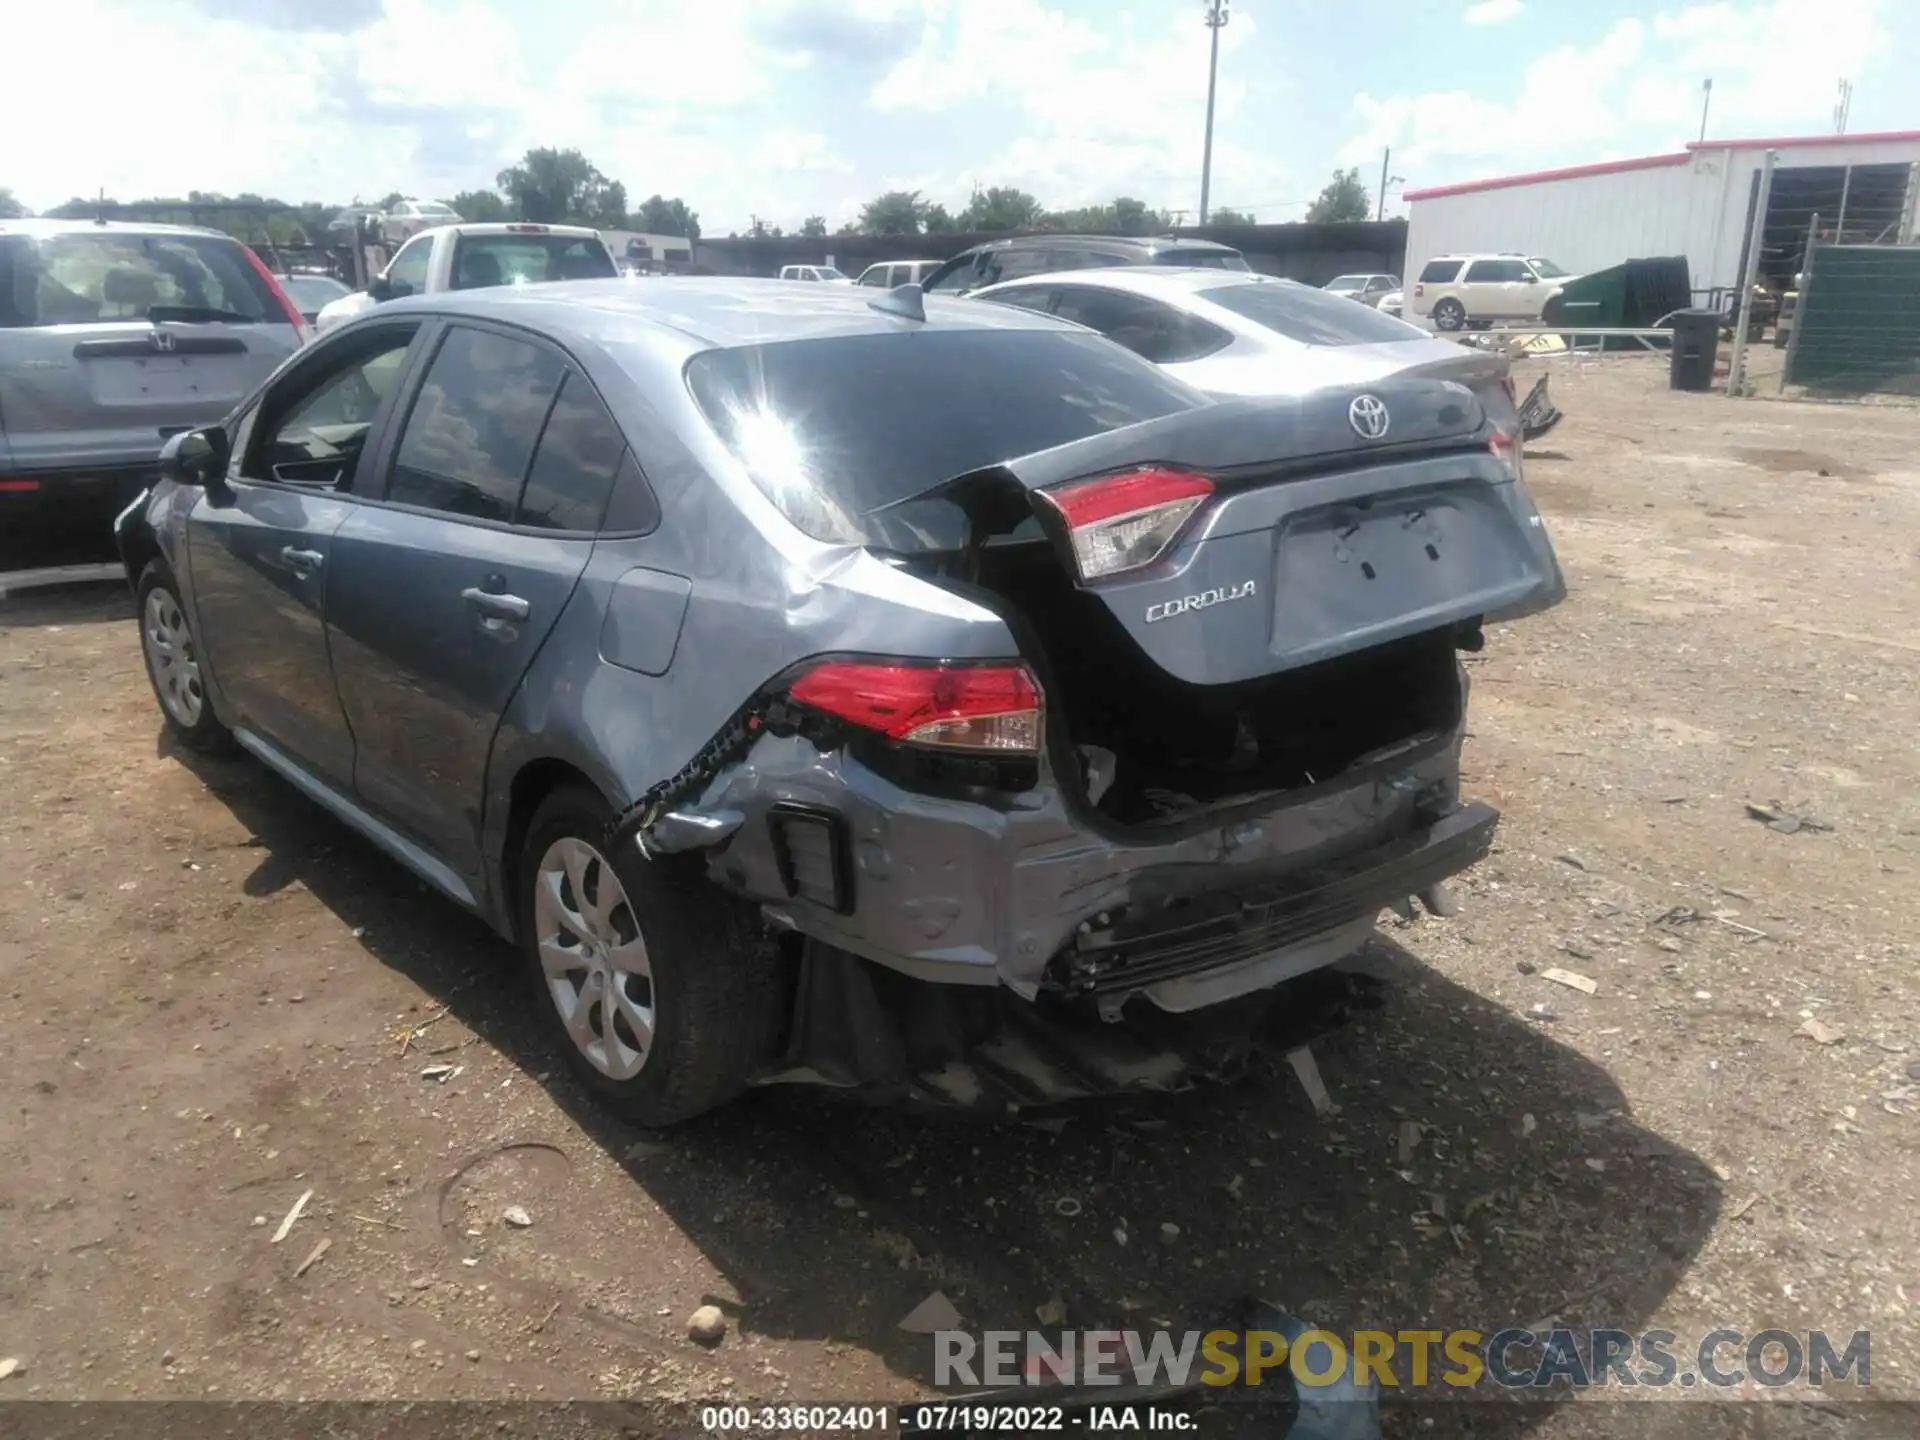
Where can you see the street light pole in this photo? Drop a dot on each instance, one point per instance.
(1216, 22)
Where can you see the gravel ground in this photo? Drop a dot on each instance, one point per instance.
(218, 1000)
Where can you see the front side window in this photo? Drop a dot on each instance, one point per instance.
(407, 271)
(474, 425)
(88, 277)
(1496, 272)
(1547, 270)
(1347, 284)
(1152, 330)
(316, 421)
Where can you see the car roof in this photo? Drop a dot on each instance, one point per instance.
(1163, 281)
(1152, 244)
(716, 312)
(42, 228)
(511, 227)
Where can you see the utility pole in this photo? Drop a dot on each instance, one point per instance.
(1385, 156)
(1843, 107)
(1706, 101)
(1217, 17)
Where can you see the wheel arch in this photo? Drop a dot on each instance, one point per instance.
(532, 783)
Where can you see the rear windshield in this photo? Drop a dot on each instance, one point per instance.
(1205, 259)
(1311, 317)
(87, 278)
(1348, 282)
(481, 261)
(834, 429)
(1439, 272)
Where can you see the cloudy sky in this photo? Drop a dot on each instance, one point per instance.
(784, 108)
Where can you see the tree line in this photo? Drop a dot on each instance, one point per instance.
(547, 186)
(558, 187)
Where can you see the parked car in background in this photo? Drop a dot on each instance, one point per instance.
(476, 257)
(112, 337)
(1367, 289)
(312, 293)
(1022, 255)
(818, 274)
(1258, 335)
(409, 217)
(1393, 303)
(889, 273)
(721, 646)
(1462, 290)
(345, 226)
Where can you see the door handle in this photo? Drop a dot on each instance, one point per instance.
(303, 561)
(494, 605)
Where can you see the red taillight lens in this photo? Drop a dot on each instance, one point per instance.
(1506, 449)
(1121, 522)
(959, 707)
(285, 301)
(18, 487)
(1418, 291)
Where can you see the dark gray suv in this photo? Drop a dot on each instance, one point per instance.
(930, 697)
(113, 337)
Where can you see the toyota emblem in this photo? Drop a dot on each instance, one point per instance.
(1368, 416)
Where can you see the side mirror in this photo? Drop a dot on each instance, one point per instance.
(380, 288)
(197, 457)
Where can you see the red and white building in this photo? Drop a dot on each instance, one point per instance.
(1697, 202)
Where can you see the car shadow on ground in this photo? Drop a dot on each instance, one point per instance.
(1477, 1174)
(89, 603)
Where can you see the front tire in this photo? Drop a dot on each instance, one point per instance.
(1449, 315)
(661, 988)
(172, 656)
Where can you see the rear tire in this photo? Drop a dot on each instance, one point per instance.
(1449, 315)
(662, 990)
(172, 657)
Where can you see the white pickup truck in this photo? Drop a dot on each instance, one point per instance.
(472, 257)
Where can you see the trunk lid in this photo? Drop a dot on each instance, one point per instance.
(1318, 541)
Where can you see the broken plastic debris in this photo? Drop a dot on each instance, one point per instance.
(292, 1215)
(1821, 1033)
(313, 1258)
(1308, 1074)
(1572, 979)
(931, 1315)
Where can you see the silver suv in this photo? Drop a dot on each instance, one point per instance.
(114, 337)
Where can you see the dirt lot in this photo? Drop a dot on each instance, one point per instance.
(207, 983)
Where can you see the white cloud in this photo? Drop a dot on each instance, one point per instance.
(1774, 65)
(1109, 109)
(1492, 12)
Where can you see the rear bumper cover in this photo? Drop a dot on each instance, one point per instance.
(1033, 898)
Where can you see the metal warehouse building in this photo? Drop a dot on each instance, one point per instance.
(1698, 203)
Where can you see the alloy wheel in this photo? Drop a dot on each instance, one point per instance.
(593, 958)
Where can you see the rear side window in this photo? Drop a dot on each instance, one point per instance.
(1311, 317)
(1205, 259)
(573, 470)
(480, 261)
(1440, 272)
(1152, 330)
(474, 425)
(833, 429)
(111, 275)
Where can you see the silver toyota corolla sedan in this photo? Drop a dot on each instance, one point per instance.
(913, 695)
(1247, 334)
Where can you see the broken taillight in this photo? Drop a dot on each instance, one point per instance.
(1506, 449)
(1121, 522)
(990, 707)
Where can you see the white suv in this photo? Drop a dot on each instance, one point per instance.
(818, 274)
(1457, 290)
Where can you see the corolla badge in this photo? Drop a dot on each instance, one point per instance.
(1368, 416)
(1205, 600)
